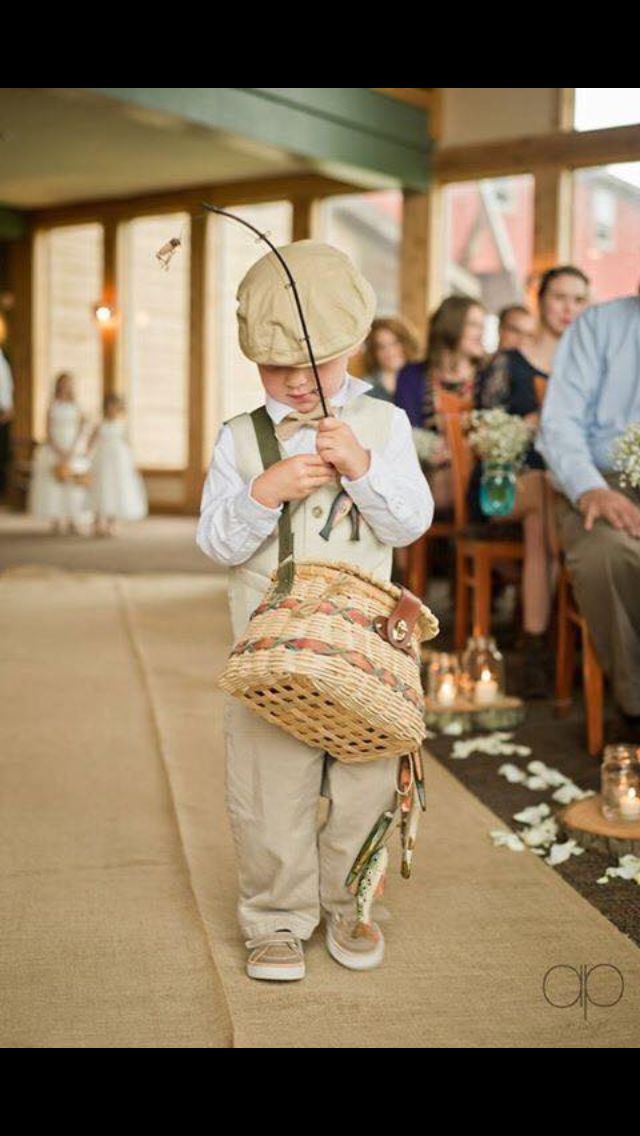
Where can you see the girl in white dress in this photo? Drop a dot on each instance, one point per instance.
(117, 489)
(58, 490)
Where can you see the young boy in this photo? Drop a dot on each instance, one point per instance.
(288, 872)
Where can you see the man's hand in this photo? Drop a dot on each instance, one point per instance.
(610, 506)
(337, 444)
(291, 479)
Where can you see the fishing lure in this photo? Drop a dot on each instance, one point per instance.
(167, 251)
(370, 886)
(408, 835)
(342, 506)
(371, 844)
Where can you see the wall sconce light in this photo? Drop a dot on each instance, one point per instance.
(104, 314)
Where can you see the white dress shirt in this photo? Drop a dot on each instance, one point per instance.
(393, 495)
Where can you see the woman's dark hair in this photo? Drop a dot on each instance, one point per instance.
(446, 327)
(553, 274)
(397, 327)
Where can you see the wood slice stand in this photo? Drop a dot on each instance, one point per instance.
(584, 821)
(503, 714)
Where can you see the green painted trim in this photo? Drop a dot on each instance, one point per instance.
(13, 224)
(350, 126)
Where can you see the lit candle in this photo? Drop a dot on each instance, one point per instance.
(486, 688)
(629, 805)
(447, 691)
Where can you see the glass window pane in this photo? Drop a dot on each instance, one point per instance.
(68, 285)
(599, 107)
(606, 228)
(154, 349)
(368, 227)
(488, 242)
(233, 383)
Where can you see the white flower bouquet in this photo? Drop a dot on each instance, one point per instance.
(498, 437)
(626, 456)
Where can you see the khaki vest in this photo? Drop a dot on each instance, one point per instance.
(370, 420)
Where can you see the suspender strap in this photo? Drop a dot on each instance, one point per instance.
(270, 454)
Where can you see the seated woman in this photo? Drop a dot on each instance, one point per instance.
(388, 347)
(514, 381)
(454, 350)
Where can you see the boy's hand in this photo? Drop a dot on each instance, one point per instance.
(338, 445)
(291, 479)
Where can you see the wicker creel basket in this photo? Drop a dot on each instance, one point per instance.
(335, 661)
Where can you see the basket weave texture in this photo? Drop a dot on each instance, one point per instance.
(312, 663)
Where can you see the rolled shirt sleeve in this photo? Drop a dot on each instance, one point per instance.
(232, 523)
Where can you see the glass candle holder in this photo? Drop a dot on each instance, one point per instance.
(620, 783)
(497, 488)
(482, 671)
(444, 676)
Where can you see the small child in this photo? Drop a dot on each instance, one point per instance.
(57, 491)
(117, 489)
(288, 871)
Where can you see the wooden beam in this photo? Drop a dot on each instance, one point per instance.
(197, 340)
(573, 149)
(552, 218)
(190, 198)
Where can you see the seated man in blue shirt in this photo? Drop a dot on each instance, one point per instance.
(593, 395)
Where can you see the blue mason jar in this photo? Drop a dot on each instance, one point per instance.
(497, 488)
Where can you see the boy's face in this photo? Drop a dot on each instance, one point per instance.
(296, 386)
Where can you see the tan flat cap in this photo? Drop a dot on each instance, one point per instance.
(338, 304)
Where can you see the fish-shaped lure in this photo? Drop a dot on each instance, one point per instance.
(371, 884)
(408, 833)
(371, 844)
(341, 507)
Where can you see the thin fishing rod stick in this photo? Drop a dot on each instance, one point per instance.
(303, 322)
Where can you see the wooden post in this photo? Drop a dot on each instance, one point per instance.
(109, 333)
(303, 218)
(196, 392)
(552, 218)
(419, 273)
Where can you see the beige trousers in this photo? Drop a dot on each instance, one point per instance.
(288, 870)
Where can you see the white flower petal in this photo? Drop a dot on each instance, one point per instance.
(505, 839)
(533, 814)
(558, 853)
(536, 783)
(512, 773)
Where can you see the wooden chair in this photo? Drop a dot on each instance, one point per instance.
(479, 548)
(570, 623)
(417, 573)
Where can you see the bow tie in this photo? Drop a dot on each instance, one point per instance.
(296, 421)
